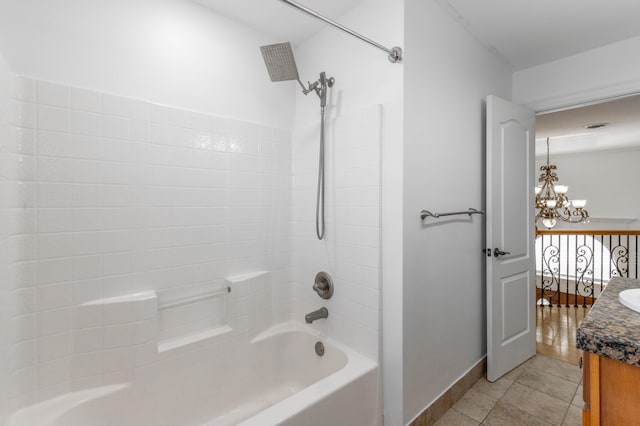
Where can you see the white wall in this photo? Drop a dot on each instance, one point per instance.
(607, 180)
(604, 72)
(171, 52)
(447, 77)
(365, 78)
(596, 74)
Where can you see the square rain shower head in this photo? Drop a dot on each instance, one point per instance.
(280, 62)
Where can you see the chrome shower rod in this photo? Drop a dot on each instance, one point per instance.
(395, 53)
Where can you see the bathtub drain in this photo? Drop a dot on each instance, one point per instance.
(319, 349)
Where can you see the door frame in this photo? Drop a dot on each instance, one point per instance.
(581, 98)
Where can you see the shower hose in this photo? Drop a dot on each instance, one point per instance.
(320, 192)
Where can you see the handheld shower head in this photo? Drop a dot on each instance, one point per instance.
(282, 67)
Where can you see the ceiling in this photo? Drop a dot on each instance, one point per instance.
(278, 19)
(532, 32)
(524, 33)
(567, 132)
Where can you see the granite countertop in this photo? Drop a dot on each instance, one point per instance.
(610, 329)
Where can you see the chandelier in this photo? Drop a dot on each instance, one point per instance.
(552, 203)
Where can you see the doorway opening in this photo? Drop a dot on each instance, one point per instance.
(596, 148)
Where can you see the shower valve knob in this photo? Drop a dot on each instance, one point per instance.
(331, 81)
(323, 285)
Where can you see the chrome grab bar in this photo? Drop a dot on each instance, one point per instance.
(426, 213)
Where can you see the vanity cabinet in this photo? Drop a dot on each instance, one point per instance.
(611, 392)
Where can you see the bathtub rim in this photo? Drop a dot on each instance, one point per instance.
(357, 366)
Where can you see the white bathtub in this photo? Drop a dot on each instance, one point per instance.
(279, 381)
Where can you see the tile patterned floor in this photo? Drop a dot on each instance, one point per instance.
(542, 391)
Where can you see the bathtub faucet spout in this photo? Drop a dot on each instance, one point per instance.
(316, 315)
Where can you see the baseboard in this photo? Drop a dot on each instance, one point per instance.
(433, 412)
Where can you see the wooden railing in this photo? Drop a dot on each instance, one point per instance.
(574, 266)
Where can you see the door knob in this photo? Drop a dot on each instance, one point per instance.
(497, 252)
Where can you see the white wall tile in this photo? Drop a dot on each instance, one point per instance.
(84, 195)
(139, 130)
(116, 150)
(125, 196)
(22, 328)
(86, 100)
(85, 219)
(118, 359)
(53, 195)
(140, 110)
(20, 167)
(53, 94)
(22, 381)
(85, 123)
(117, 285)
(85, 267)
(119, 313)
(145, 331)
(26, 114)
(85, 243)
(87, 340)
(53, 169)
(115, 127)
(53, 245)
(118, 336)
(53, 144)
(117, 241)
(54, 322)
(84, 291)
(53, 220)
(85, 146)
(23, 354)
(86, 171)
(116, 264)
(86, 365)
(116, 105)
(8, 138)
(54, 372)
(53, 118)
(53, 270)
(25, 89)
(54, 347)
(26, 140)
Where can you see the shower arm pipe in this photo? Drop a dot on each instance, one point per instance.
(395, 53)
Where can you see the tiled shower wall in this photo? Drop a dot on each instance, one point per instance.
(351, 250)
(7, 227)
(108, 196)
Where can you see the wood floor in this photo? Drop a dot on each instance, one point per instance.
(556, 331)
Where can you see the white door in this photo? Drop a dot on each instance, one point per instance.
(511, 324)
